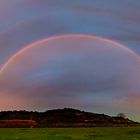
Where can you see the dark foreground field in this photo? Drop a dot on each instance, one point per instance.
(115, 133)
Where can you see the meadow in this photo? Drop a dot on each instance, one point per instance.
(103, 133)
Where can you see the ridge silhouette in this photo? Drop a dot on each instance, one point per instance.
(66, 117)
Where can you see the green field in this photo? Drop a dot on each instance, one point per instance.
(115, 133)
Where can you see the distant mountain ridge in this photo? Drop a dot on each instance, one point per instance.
(66, 117)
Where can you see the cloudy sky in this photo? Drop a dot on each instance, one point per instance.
(68, 53)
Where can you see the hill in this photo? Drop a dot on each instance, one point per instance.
(66, 117)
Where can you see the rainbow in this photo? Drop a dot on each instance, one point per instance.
(82, 36)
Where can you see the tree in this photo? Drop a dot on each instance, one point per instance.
(122, 115)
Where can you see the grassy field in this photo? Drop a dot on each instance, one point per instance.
(116, 133)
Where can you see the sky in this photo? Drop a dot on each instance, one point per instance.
(82, 54)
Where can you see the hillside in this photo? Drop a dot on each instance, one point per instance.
(66, 117)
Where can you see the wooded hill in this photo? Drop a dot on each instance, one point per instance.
(66, 117)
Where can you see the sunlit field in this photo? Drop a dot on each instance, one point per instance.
(107, 133)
